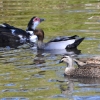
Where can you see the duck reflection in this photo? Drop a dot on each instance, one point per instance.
(89, 80)
(68, 88)
(39, 58)
(74, 51)
(41, 55)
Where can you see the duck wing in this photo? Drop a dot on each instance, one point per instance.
(84, 64)
(12, 36)
(94, 60)
(12, 30)
(63, 38)
(63, 43)
(79, 63)
(9, 31)
(9, 40)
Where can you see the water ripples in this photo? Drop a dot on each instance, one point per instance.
(26, 74)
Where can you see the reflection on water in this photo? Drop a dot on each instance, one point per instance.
(15, 98)
(61, 52)
(39, 72)
(26, 73)
(85, 86)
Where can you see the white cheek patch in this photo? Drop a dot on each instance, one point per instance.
(33, 38)
(36, 23)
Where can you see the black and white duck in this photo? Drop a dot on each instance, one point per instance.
(61, 42)
(13, 37)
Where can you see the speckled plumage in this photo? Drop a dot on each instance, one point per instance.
(93, 60)
(83, 70)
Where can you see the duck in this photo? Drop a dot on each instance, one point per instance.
(13, 37)
(83, 69)
(60, 42)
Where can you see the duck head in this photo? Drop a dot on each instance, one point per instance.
(68, 60)
(64, 59)
(33, 23)
(40, 35)
(36, 37)
(34, 33)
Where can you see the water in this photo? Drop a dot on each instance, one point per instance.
(27, 74)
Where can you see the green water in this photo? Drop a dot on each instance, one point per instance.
(26, 74)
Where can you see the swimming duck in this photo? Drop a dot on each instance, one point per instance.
(12, 36)
(83, 70)
(65, 42)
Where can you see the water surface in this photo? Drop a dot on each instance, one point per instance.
(28, 74)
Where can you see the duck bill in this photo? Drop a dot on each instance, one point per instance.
(41, 19)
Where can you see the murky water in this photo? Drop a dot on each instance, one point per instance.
(27, 74)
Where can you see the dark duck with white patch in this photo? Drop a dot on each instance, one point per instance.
(13, 37)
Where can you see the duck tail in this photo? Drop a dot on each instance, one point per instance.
(78, 41)
(75, 44)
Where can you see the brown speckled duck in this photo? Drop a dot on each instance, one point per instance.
(84, 69)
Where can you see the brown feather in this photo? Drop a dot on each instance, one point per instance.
(83, 70)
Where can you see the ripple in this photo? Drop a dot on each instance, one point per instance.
(10, 84)
(84, 31)
(86, 97)
(39, 76)
(39, 89)
(36, 74)
(52, 80)
(15, 90)
(42, 88)
(90, 38)
(59, 96)
(80, 11)
(14, 98)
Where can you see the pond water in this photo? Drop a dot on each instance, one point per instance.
(27, 74)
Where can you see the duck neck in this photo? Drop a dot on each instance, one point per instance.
(40, 44)
(70, 66)
(70, 63)
(30, 29)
